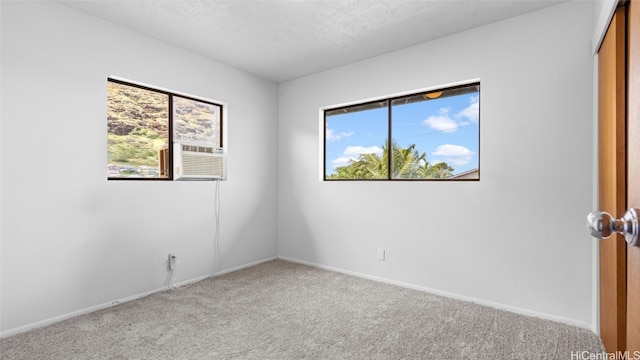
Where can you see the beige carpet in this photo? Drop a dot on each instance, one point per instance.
(282, 310)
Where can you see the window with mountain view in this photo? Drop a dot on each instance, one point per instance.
(432, 135)
(144, 123)
(196, 121)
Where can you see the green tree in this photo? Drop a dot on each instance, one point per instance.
(436, 171)
(407, 163)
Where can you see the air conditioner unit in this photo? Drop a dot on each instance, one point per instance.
(197, 162)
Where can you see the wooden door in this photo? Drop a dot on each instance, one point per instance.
(619, 177)
(633, 173)
(612, 180)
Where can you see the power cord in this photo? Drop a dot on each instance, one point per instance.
(172, 262)
(216, 239)
(172, 275)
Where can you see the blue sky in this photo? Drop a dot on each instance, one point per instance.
(446, 129)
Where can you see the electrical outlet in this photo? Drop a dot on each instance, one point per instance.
(172, 262)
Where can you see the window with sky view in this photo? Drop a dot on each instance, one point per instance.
(434, 135)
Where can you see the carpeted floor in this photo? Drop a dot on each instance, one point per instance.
(281, 310)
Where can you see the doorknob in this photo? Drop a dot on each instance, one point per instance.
(602, 225)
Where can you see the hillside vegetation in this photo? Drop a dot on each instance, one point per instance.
(138, 124)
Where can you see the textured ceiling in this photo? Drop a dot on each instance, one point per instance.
(283, 40)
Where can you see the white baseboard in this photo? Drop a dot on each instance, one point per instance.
(229, 270)
(112, 303)
(55, 319)
(492, 304)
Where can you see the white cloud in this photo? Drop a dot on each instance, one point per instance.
(471, 112)
(447, 123)
(452, 150)
(341, 161)
(332, 136)
(454, 154)
(441, 122)
(358, 150)
(351, 153)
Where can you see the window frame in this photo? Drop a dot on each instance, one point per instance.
(390, 100)
(170, 95)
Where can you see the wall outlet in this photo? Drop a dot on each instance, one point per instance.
(172, 262)
(381, 254)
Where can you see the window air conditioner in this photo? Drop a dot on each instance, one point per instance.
(197, 162)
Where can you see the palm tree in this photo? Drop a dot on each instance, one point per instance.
(407, 163)
(440, 170)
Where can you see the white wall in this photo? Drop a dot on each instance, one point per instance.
(604, 10)
(70, 239)
(516, 239)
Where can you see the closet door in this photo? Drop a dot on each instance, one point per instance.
(619, 180)
(612, 180)
(633, 174)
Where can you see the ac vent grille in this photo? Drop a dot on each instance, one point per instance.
(198, 162)
(199, 149)
(195, 164)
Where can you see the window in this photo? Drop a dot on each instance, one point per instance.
(144, 123)
(435, 135)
